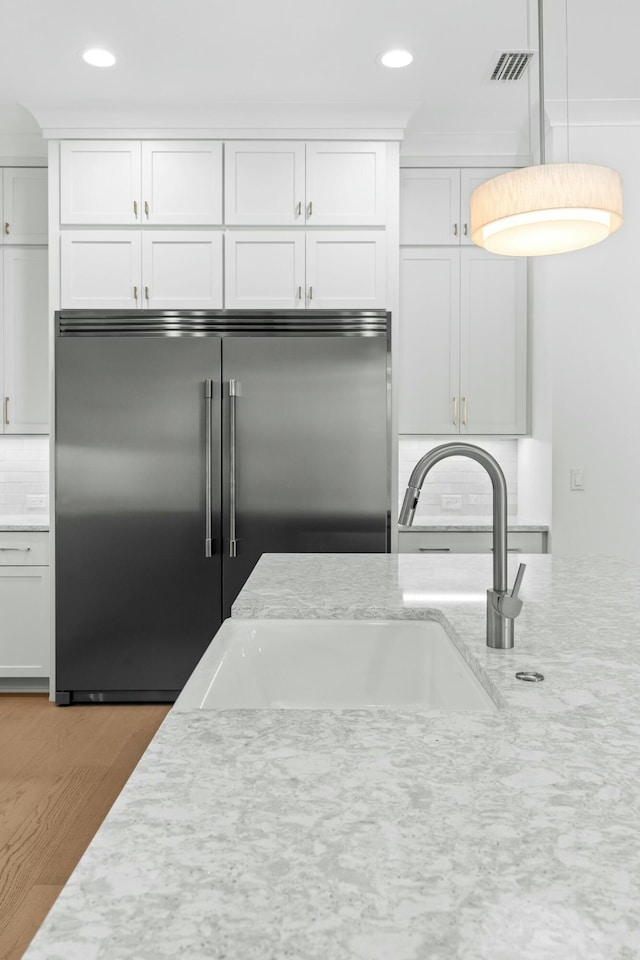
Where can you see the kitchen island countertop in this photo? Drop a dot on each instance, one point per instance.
(391, 835)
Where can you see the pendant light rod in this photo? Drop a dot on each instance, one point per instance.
(541, 81)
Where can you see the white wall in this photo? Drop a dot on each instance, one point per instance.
(590, 301)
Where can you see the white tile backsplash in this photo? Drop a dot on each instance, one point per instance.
(24, 470)
(458, 475)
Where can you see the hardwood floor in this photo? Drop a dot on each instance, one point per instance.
(60, 771)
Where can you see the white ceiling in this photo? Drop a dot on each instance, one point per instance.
(202, 53)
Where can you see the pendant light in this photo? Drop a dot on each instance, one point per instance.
(548, 208)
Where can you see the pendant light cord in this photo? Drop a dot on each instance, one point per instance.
(566, 49)
(541, 81)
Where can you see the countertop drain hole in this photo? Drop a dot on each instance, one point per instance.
(530, 675)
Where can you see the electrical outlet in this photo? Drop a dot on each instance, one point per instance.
(37, 501)
(451, 501)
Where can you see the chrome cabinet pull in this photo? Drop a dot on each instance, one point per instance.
(299, 208)
(135, 294)
(434, 549)
(455, 411)
(6, 410)
(299, 293)
(455, 229)
(464, 411)
(146, 208)
(233, 393)
(466, 230)
(135, 207)
(208, 473)
(310, 209)
(146, 293)
(17, 549)
(310, 293)
(6, 229)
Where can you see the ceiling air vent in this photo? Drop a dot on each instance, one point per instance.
(511, 65)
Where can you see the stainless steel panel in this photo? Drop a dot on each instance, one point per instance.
(137, 600)
(311, 448)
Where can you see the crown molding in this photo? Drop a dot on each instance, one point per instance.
(222, 120)
(593, 113)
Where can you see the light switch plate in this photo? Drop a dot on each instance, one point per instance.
(37, 501)
(451, 501)
(576, 476)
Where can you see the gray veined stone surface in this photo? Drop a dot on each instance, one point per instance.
(24, 523)
(391, 835)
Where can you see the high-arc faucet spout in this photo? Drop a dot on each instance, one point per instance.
(502, 608)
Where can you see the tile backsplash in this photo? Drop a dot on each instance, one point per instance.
(459, 476)
(24, 472)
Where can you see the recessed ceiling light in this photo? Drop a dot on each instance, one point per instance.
(396, 58)
(99, 58)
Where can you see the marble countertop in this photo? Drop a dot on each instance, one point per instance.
(24, 522)
(391, 835)
(475, 524)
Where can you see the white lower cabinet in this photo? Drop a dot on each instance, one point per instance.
(463, 342)
(119, 269)
(24, 341)
(282, 269)
(25, 605)
(469, 541)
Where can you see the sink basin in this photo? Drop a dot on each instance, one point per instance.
(339, 664)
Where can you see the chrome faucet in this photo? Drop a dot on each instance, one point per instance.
(502, 607)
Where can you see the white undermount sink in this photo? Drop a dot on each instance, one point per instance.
(339, 664)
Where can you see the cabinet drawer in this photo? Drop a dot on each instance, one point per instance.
(468, 541)
(24, 549)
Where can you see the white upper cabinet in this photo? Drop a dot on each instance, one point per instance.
(182, 270)
(429, 206)
(264, 183)
(100, 269)
(346, 269)
(24, 209)
(181, 182)
(126, 182)
(434, 203)
(345, 184)
(493, 343)
(318, 184)
(25, 365)
(264, 270)
(100, 181)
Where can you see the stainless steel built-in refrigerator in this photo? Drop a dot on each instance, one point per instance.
(188, 444)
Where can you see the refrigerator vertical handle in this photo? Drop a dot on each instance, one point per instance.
(233, 393)
(208, 395)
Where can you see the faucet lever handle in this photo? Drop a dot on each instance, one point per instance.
(510, 604)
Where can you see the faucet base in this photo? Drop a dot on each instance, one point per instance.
(499, 628)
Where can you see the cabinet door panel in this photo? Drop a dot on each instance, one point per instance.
(182, 270)
(430, 206)
(264, 183)
(182, 182)
(100, 269)
(346, 270)
(493, 355)
(24, 638)
(429, 340)
(26, 340)
(100, 182)
(25, 205)
(469, 180)
(264, 270)
(346, 184)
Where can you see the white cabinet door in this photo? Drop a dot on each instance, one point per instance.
(469, 180)
(429, 340)
(430, 206)
(24, 637)
(100, 182)
(100, 269)
(26, 340)
(346, 184)
(182, 182)
(182, 269)
(346, 269)
(264, 183)
(264, 270)
(493, 343)
(25, 205)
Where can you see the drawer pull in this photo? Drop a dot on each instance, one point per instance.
(20, 549)
(434, 549)
(511, 550)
